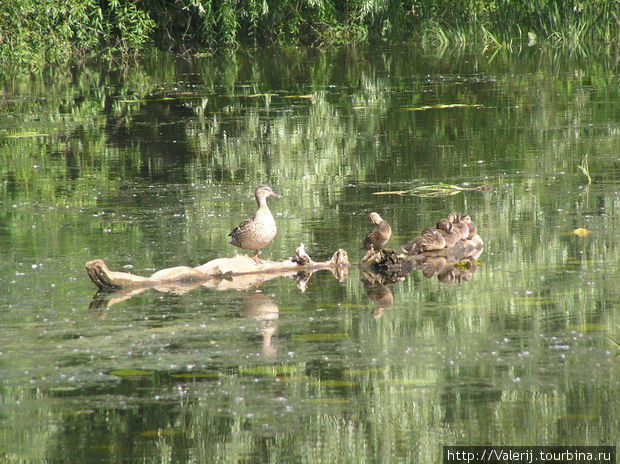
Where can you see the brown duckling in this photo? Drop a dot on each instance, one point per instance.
(458, 225)
(473, 230)
(429, 240)
(450, 233)
(256, 232)
(377, 237)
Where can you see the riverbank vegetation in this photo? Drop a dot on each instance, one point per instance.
(34, 33)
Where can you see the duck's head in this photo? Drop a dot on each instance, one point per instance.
(453, 217)
(465, 218)
(264, 191)
(445, 225)
(375, 218)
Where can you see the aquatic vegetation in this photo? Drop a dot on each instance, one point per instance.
(435, 190)
(585, 168)
(130, 372)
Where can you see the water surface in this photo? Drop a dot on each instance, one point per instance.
(151, 165)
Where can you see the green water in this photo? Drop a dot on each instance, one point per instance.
(151, 165)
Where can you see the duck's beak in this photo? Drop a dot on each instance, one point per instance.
(275, 195)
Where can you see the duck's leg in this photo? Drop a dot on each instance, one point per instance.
(256, 259)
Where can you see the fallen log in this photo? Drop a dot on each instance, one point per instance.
(238, 272)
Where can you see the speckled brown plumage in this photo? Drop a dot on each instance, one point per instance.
(449, 232)
(473, 230)
(377, 237)
(256, 232)
(459, 225)
(429, 240)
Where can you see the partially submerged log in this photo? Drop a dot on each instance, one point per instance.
(238, 272)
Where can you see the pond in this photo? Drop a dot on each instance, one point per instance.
(151, 165)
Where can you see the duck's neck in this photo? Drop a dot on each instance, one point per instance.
(262, 202)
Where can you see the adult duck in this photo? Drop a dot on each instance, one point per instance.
(256, 232)
(377, 237)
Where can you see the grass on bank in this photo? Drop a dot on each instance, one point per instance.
(34, 33)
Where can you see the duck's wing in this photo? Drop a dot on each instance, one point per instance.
(370, 239)
(244, 225)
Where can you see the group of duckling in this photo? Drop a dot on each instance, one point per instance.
(258, 231)
(447, 233)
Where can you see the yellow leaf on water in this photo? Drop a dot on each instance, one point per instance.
(581, 232)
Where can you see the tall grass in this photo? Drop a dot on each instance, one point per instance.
(36, 32)
(497, 22)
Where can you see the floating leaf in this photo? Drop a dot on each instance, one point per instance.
(394, 192)
(256, 95)
(161, 432)
(131, 101)
(327, 401)
(440, 106)
(583, 417)
(197, 375)
(130, 372)
(319, 337)
(334, 383)
(419, 382)
(144, 100)
(270, 370)
(435, 190)
(290, 308)
(25, 134)
(365, 371)
(580, 232)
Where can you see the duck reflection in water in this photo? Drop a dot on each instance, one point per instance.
(262, 308)
(378, 292)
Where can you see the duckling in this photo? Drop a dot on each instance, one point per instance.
(256, 232)
(450, 233)
(473, 230)
(458, 225)
(377, 237)
(429, 240)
